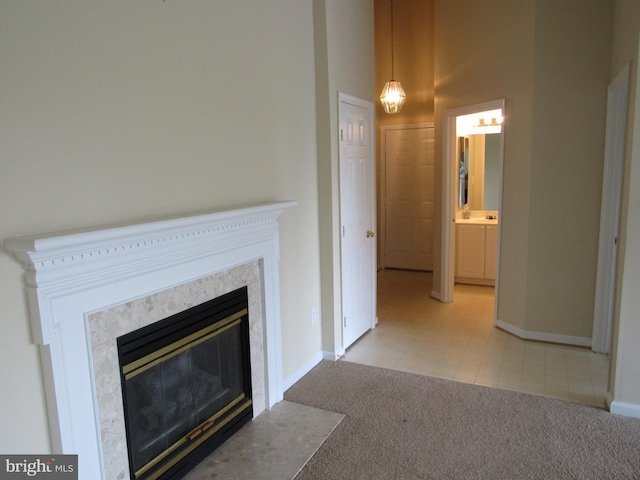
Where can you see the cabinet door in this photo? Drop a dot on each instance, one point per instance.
(490, 251)
(470, 251)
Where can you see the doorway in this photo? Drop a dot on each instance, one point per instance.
(456, 184)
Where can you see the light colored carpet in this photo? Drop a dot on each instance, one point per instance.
(405, 426)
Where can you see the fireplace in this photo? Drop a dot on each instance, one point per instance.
(186, 385)
(87, 288)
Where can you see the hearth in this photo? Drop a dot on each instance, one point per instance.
(186, 385)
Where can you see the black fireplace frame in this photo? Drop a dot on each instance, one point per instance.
(136, 345)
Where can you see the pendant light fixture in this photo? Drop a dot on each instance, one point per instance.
(393, 95)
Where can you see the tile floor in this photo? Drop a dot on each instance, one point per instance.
(458, 341)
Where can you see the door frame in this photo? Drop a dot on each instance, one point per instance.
(615, 132)
(449, 165)
(369, 106)
(382, 190)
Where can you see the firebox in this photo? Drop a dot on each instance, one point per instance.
(186, 385)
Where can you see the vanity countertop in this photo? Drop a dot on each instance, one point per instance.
(477, 221)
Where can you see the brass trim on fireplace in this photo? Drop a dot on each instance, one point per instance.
(148, 361)
(206, 428)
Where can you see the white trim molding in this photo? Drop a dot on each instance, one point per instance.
(624, 408)
(616, 127)
(449, 173)
(72, 275)
(544, 337)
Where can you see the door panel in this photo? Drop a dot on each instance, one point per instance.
(409, 210)
(610, 212)
(357, 221)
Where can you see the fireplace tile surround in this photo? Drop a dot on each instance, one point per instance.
(87, 288)
(106, 326)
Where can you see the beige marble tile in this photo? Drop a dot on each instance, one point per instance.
(274, 446)
(458, 341)
(105, 326)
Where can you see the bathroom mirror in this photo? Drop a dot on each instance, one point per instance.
(478, 171)
(463, 171)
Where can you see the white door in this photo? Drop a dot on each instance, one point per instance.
(610, 211)
(409, 207)
(357, 217)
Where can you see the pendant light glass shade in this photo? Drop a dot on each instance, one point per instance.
(392, 97)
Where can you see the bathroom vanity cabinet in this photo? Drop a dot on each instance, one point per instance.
(476, 252)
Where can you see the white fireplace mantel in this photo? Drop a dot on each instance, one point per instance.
(71, 275)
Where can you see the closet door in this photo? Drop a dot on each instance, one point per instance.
(409, 207)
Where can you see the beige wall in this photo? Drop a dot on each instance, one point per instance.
(125, 111)
(413, 58)
(344, 63)
(484, 51)
(118, 112)
(569, 114)
(413, 48)
(530, 54)
(624, 380)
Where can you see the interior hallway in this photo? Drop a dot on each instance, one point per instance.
(458, 341)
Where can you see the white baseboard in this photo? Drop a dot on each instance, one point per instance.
(626, 409)
(302, 371)
(544, 337)
(436, 295)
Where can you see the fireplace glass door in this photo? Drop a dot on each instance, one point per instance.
(180, 394)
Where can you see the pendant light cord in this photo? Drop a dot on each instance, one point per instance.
(392, 76)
